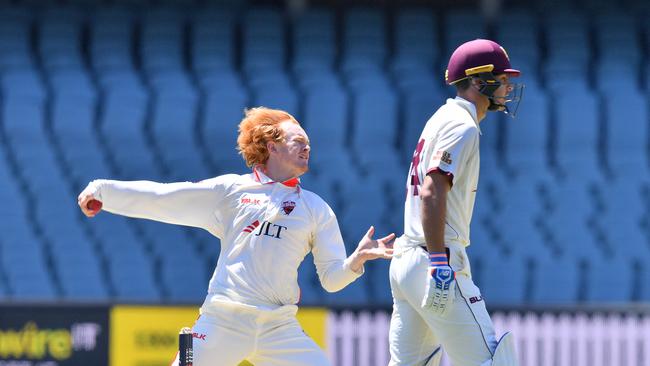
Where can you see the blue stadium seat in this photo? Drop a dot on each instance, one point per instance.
(162, 96)
(23, 84)
(60, 38)
(626, 139)
(491, 189)
(130, 267)
(617, 37)
(24, 122)
(58, 216)
(15, 43)
(416, 35)
(134, 281)
(274, 90)
(208, 245)
(527, 137)
(571, 221)
(394, 191)
(498, 284)
(644, 288)
(420, 96)
(212, 40)
(4, 292)
(491, 137)
(25, 265)
(79, 272)
(164, 239)
(354, 295)
(183, 272)
(31, 283)
(72, 119)
(374, 125)
(161, 45)
(263, 40)
(11, 196)
(521, 208)
(378, 281)
(362, 208)
(623, 220)
(335, 170)
(322, 186)
(518, 32)
(461, 25)
(576, 143)
(482, 239)
(326, 122)
(609, 279)
(173, 125)
(559, 72)
(626, 78)
(16, 13)
(122, 123)
(110, 33)
(325, 119)
(567, 38)
(23, 247)
(409, 71)
(311, 291)
(556, 280)
(183, 275)
(314, 42)
(364, 39)
(225, 99)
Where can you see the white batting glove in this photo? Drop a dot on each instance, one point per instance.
(441, 286)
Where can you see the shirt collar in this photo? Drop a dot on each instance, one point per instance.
(469, 107)
(260, 177)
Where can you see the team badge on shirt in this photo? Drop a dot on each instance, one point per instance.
(288, 206)
(443, 156)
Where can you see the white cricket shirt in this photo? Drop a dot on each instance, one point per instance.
(266, 229)
(450, 144)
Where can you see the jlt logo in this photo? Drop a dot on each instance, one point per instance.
(266, 228)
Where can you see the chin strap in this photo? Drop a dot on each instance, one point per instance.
(497, 107)
(489, 84)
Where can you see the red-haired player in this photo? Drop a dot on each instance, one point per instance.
(267, 224)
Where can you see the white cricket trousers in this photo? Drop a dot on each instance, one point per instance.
(465, 331)
(234, 333)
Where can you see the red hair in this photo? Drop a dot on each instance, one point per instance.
(259, 126)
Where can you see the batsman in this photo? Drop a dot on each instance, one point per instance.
(435, 302)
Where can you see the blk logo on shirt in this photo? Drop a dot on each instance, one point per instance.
(475, 299)
(248, 200)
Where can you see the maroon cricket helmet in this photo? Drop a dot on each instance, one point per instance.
(478, 56)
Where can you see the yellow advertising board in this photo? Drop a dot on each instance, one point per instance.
(148, 335)
(314, 321)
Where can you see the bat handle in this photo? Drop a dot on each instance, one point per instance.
(185, 348)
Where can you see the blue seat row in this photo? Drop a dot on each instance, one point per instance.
(77, 107)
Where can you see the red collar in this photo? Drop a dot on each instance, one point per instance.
(264, 179)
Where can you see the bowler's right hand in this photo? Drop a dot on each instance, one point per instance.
(441, 286)
(84, 198)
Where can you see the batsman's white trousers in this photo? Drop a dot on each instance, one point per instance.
(234, 333)
(465, 331)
